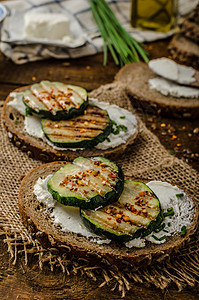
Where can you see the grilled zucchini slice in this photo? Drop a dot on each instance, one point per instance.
(84, 131)
(87, 183)
(135, 214)
(55, 100)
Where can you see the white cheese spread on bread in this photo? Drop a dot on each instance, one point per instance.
(169, 88)
(68, 218)
(169, 69)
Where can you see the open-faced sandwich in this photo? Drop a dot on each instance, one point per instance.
(89, 209)
(162, 87)
(56, 121)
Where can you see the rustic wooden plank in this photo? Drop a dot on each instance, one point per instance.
(20, 282)
(88, 72)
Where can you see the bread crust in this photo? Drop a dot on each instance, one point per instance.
(36, 218)
(184, 51)
(135, 77)
(39, 149)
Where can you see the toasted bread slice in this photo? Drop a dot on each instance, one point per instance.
(40, 149)
(190, 30)
(184, 50)
(36, 217)
(136, 76)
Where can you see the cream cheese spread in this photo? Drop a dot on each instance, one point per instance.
(169, 69)
(65, 216)
(68, 218)
(32, 124)
(169, 88)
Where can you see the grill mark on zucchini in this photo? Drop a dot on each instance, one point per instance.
(121, 220)
(80, 184)
(55, 92)
(82, 132)
(56, 101)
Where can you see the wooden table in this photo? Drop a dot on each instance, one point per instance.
(180, 137)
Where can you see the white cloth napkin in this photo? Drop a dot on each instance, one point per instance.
(80, 11)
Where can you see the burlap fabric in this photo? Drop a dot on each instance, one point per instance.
(146, 159)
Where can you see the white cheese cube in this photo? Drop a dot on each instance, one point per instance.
(47, 26)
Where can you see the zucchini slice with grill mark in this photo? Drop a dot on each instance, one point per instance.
(136, 214)
(55, 100)
(85, 131)
(87, 183)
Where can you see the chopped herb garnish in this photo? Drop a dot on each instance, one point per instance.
(115, 131)
(113, 122)
(16, 120)
(122, 117)
(117, 128)
(171, 152)
(183, 230)
(161, 227)
(179, 195)
(170, 212)
(123, 128)
(27, 112)
(165, 230)
(169, 224)
(108, 140)
(159, 239)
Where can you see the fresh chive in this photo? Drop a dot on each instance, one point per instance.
(118, 128)
(123, 128)
(113, 122)
(160, 228)
(27, 112)
(108, 140)
(159, 239)
(16, 120)
(122, 117)
(170, 212)
(123, 47)
(179, 195)
(183, 230)
(169, 224)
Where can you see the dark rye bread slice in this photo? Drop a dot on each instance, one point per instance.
(184, 51)
(136, 76)
(40, 149)
(190, 30)
(36, 218)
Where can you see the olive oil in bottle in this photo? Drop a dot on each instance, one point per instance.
(156, 15)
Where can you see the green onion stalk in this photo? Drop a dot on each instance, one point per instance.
(122, 46)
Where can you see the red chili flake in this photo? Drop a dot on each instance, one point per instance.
(112, 175)
(86, 192)
(109, 218)
(118, 220)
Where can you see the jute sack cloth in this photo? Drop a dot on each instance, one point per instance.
(147, 159)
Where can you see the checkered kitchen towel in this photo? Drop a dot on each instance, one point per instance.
(81, 13)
